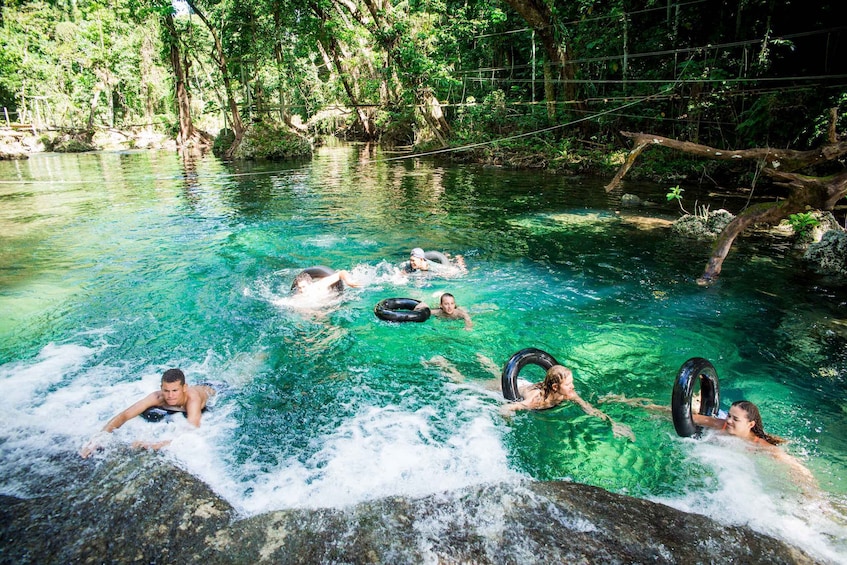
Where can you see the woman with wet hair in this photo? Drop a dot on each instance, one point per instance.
(556, 388)
(743, 421)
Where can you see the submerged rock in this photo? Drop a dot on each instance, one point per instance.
(630, 201)
(139, 508)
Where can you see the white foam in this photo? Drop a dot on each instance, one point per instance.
(276, 288)
(380, 452)
(753, 489)
(61, 398)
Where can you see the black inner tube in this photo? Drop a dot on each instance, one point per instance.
(157, 414)
(700, 369)
(437, 257)
(319, 272)
(509, 378)
(401, 310)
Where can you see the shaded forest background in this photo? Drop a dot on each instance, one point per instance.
(529, 82)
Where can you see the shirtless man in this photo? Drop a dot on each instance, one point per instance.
(449, 310)
(174, 396)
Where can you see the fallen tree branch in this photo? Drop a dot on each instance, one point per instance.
(805, 192)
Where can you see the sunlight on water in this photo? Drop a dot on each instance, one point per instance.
(123, 266)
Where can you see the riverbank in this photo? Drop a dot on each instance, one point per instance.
(20, 144)
(134, 507)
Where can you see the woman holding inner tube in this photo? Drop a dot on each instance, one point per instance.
(556, 388)
(743, 421)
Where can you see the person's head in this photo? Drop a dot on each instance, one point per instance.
(744, 421)
(301, 282)
(173, 386)
(417, 258)
(448, 303)
(559, 379)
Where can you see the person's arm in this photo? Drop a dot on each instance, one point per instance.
(708, 421)
(194, 408)
(463, 314)
(421, 305)
(618, 429)
(345, 276)
(801, 476)
(149, 401)
(514, 407)
(531, 400)
(326, 282)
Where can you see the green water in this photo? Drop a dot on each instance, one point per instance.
(115, 266)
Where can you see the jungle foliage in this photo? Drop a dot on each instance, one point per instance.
(556, 80)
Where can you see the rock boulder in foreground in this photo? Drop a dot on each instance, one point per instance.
(138, 508)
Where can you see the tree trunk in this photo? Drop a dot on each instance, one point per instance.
(819, 193)
(540, 18)
(147, 53)
(183, 98)
(220, 59)
(431, 111)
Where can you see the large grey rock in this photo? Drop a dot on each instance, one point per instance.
(829, 255)
(140, 509)
(706, 225)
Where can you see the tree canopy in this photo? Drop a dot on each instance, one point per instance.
(724, 73)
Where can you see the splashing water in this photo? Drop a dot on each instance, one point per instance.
(118, 266)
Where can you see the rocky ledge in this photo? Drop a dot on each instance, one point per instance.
(137, 508)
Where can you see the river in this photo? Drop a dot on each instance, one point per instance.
(117, 266)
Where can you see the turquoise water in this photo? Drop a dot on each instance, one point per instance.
(116, 266)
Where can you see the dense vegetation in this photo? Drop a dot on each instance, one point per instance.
(534, 82)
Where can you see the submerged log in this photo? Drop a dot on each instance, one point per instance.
(805, 192)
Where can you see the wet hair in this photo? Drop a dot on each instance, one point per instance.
(302, 277)
(448, 295)
(758, 429)
(555, 375)
(173, 376)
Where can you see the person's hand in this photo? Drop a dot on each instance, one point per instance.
(152, 445)
(88, 449)
(345, 276)
(622, 430)
(94, 444)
